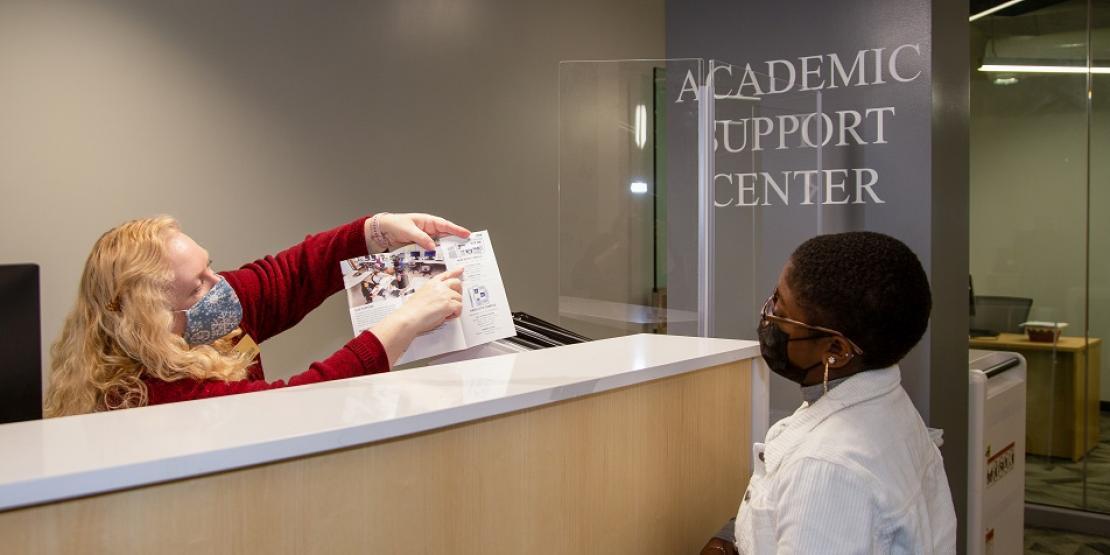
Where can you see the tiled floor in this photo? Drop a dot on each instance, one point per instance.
(1054, 542)
(1059, 482)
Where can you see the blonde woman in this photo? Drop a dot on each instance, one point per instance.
(153, 323)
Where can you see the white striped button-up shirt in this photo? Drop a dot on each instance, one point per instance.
(855, 472)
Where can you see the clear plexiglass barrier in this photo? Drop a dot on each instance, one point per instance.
(623, 145)
(658, 190)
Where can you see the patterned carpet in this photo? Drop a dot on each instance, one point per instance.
(1055, 542)
(1059, 482)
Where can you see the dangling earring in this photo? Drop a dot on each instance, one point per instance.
(828, 361)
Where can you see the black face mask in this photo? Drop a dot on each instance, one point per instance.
(774, 345)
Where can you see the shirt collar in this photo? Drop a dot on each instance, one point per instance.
(811, 393)
(855, 389)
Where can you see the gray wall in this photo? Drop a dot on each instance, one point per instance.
(755, 32)
(255, 124)
(923, 175)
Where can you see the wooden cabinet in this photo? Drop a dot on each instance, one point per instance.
(1063, 392)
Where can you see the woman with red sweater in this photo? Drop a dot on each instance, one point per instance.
(154, 324)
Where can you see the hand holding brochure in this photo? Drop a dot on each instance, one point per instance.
(378, 284)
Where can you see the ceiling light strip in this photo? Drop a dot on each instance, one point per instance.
(999, 68)
(987, 12)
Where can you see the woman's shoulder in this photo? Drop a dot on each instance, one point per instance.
(885, 426)
(159, 391)
(885, 440)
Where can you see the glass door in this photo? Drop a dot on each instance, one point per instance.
(1038, 235)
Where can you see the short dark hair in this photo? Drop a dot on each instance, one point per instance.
(869, 286)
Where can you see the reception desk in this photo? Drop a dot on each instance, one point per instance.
(638, 444)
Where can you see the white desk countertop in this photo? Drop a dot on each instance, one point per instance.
(61, 458)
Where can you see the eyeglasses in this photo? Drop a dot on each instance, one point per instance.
(767, 315)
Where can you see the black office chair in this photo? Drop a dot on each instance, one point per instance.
(999, 314)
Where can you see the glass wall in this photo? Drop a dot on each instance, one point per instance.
(1039, 235)
(1097, 471)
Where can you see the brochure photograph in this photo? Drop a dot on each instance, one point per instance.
(378, 284)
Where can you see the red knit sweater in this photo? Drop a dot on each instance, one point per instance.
(277, 292)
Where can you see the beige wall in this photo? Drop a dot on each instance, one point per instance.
(256, 123)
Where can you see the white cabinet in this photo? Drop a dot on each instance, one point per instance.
(996, 454)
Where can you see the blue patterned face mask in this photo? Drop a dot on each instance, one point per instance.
(215, 315)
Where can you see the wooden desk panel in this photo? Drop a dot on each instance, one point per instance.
(1062, 394)
(656, 467)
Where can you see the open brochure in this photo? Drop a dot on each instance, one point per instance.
(378, 284)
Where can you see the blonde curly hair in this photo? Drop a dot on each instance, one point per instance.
(120, 328)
